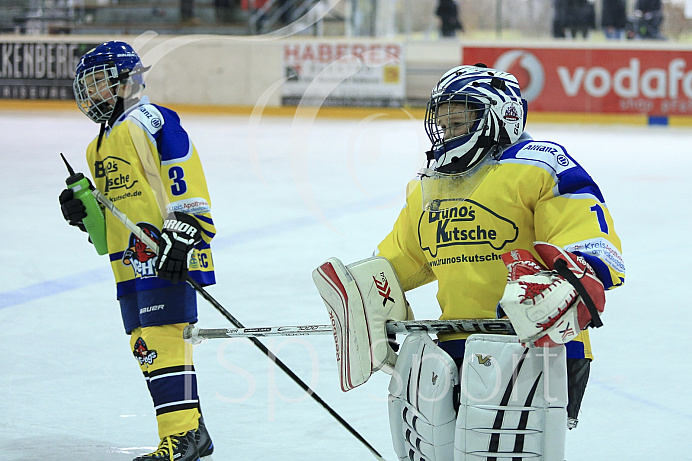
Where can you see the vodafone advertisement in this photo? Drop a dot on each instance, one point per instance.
(634, 81)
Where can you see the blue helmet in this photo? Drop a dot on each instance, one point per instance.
(471, 109)
(98, 77)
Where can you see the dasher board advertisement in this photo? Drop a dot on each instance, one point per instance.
(626, 81)
(39, 70)
(337, 73)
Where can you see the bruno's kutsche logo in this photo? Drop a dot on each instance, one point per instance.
(468, 224)
(139, 255)
(115, 170)
(142, 352)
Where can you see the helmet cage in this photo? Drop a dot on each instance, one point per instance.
(98, 77)
(96, 91)
(447, 113)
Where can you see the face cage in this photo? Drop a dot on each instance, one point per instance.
(92, 101)
(440, 109)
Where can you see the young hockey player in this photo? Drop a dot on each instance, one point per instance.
(144, 161)
(507, 226)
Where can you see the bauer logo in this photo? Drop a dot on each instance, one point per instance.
(143, 355)
(139, 255)
(468, 224)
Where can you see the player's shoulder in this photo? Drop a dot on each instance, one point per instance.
(153, 118)
(547, 155)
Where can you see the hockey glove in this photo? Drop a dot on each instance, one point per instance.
(551, 306)
(180, 233)
(73, 209)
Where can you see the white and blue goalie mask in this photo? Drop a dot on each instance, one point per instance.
(472, 114)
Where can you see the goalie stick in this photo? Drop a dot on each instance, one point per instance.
(132, 227)
(196, 335)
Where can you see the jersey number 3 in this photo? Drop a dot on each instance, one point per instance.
(179, 186)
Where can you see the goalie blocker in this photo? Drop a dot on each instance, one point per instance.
(360, 299)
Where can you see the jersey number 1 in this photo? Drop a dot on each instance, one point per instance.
(601, 218)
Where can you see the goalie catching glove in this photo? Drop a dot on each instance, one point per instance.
(179, 235)
(551, 306)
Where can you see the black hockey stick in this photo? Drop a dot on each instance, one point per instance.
(122, 217)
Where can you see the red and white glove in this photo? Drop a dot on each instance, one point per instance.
(548, 307)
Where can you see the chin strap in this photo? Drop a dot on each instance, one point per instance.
(102, 130)
(117, 111)
(430, 155)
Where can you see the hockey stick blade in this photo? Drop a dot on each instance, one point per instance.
(196, 335)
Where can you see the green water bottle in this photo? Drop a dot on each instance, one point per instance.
(94, 221)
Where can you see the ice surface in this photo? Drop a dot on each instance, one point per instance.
(288, 193)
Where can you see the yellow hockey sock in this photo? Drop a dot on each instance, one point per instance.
(165, 359)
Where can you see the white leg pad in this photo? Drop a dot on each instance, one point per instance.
(421, 401)
(513, 401)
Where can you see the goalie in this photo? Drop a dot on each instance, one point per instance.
(507, 226)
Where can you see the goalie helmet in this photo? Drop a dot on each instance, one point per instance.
(99, 75)
(471, 109)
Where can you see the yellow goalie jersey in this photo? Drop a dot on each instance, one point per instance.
(147, 165)
(536, 192)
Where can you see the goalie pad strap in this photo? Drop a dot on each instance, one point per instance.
(562, 269)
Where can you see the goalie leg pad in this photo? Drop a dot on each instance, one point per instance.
(422, 391)
(513, 401)
(360, 299)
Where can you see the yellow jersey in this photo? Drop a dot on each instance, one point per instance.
(535, 192)
(148, 167)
